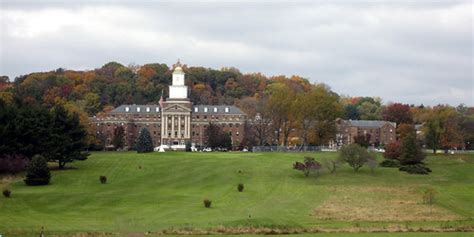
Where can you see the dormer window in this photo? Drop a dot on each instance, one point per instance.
(215, 109)
(138, 109)
(227, 109)
(196, 109)
(205, 109)
(127, 109)
(147, 109)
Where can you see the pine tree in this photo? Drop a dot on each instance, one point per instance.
(67, 141)
(38, 171)
(144, 142)
(411, 151)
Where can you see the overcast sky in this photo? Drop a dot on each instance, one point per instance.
(403, 51)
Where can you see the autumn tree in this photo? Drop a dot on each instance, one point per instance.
(398, 113)
(405, 129)
(280, 109)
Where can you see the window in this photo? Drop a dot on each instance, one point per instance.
(138, 109)
(196, 109)
(127, 109)
(205, 109)
(215, 109)
(157, 109)
(227, 109)
(205, 117)
(148, 109)
(237, 134)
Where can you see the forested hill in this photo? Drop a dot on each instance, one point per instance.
(114, 84)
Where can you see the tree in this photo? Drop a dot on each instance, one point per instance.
(355, 155)
(411, 153)
(144, 142)
(351, 112)
(217, 138)
(118, 138)
(369, 111)
(405, 129)
(37, 171)
(363, 140)
(67, 141)
(432, 135)
(398, 113)
(280, 107)
(393, 151)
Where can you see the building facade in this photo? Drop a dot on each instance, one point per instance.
(173, 122)
(380, 132)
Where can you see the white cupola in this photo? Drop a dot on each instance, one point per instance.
(178, 90)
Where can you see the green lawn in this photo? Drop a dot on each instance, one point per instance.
(158, 191)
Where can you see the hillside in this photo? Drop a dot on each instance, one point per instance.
(164, 191)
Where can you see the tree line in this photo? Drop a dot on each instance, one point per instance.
(284, 110)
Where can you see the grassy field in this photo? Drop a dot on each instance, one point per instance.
(164, 191)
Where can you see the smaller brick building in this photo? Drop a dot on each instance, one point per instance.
(381, 132)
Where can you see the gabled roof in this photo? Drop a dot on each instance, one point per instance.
(370, 123)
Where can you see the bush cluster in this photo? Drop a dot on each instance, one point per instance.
(415, 169)
(207, 203)
(13, 163)
(37, 172)
(240, 187)
(7, 193)
(390, 163)
(103, 179)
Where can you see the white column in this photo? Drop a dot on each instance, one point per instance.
(179, 126)
(172, 126)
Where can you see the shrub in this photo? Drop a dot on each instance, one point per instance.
(429, 196)
(207, 203)
(415, 169)
(390, 163)
(13, 163)
(38, 171)
(103, 179)
(393, 150)
(240, 187)
(309, 166)
(355, 155)
(7, 193)
(331, 164)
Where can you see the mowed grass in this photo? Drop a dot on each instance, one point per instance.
(157, 191)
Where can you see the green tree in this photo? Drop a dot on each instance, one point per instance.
(355, 155)
(411, 151)
(217, 138)
(144, 141)
(67, 141)
(37, 172)
(92, 103)
(118, 138)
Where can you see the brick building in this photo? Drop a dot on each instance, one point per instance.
(381, 132)
(172, 122)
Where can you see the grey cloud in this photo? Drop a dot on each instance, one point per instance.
(412, 52)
